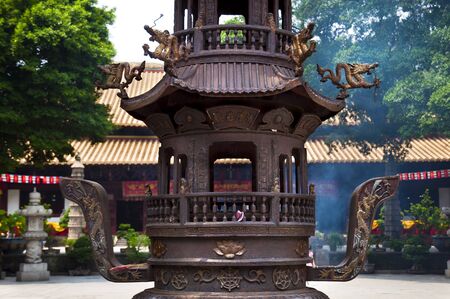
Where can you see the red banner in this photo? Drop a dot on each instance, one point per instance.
(138, 188)
(29, 179)
(425, 175)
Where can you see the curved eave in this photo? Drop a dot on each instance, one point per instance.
(323, 101)
(233, 80)
(161, 89)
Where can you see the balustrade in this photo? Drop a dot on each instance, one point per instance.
(257, 207)
(234, 37)
(163, 209)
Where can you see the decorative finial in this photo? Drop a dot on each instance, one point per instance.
(302, 47)
(276, 185)
(114, 74)
(354, 74)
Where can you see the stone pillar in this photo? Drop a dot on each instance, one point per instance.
(34, 269)
(392, 221)
(76, 218)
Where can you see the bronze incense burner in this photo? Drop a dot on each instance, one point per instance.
(232, 91)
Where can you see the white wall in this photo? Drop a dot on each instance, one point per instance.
(444, 197)
(13, 204)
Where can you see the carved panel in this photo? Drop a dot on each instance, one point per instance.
(365, 200)
(229, 249)
(284, 277)
(93, 200)
(307, 124)
(159, 249)
(160, 124)
(302, 248)
(233, 117)
(229, 278)
(190, 119)
(277, 119)
(179, 280)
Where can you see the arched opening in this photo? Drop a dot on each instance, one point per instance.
(237, 172)
(167, 172)
(296, 171)
(230, 9)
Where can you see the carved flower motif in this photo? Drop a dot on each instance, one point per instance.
(229, 249)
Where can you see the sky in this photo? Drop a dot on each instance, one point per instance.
(128, 34)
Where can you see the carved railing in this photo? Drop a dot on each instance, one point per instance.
(234, 37)
(259, 207)
(164, 209)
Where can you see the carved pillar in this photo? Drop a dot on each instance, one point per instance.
(276, 7)
(189, 20)
(179, 16)
(392, 223)
(287, 15)
(76, 219)
(34, 269)
(263, 167)
(304, 171)
(211, 12)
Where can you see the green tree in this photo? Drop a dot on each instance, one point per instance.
(49, 53)
(410, 41)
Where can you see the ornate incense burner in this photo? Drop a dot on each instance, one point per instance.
(231, 91)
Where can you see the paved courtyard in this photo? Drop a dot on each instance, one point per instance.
(365, 286)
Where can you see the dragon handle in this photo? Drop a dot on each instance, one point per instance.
(365, 200)
(92, 199)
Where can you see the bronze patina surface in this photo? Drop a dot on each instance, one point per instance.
(233, 91)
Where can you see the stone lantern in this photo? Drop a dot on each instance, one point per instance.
(34, 269)
(76, 219)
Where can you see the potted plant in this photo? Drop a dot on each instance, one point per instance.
(11, 229)
(416, 250)
(430, 221)
(136, 243)
(124, 232)
(135, 251)
(69, 244)
(334, 240)
(80, 257)
(395, 244)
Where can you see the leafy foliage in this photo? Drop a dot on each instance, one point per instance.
(81, 253)
(410, 41)
(136, 242)
(427, 214)
(64, 220)
(49, 53)
(334, 240)
(11, 225)
(415, 250)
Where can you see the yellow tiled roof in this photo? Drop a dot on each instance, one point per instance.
(122, 150)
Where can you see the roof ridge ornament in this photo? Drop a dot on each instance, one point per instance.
(115, 72)
(302, 47)
(168, 50)
(353, 74)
